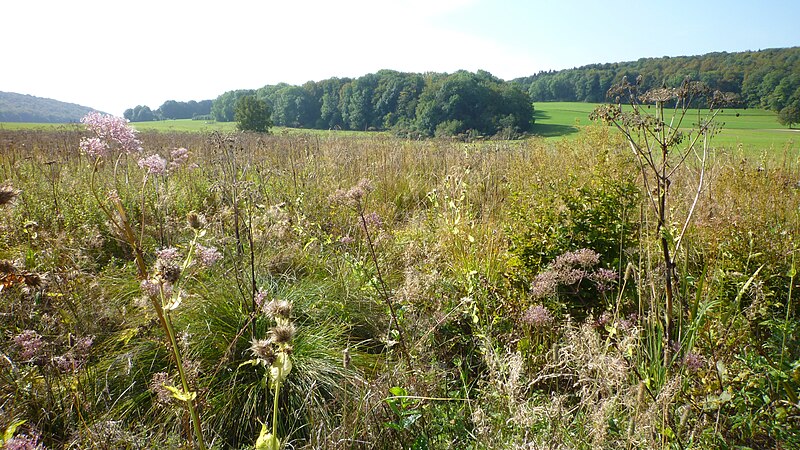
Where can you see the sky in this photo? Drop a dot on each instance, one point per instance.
(112, 55)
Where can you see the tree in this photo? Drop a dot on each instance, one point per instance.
(789, 115)
(252, 114)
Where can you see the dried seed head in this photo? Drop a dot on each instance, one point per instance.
(282, 334)
(7, 267)
(262, 348)
(7, 194)
(168, 271)
(278, 309)
(196, 221)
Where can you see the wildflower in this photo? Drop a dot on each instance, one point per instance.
(155, 164)
(544, 284)
(178, 157)
(538, 316)
(282, 334)
(111, 129)
(7, 194)
(94, 147)
(30, 344)
(604, 279)
(354, 195)
(150, 288)
(373, 219)
(260, 297)
(208, 256)
(693, 361)
(346, 240)
(23, 442)
(167, 271)
(168, 255)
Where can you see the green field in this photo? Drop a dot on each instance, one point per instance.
(752, 129)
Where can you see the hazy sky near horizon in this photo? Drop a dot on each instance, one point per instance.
(113, 55)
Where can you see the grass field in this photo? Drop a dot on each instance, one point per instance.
(754, 130)
(751, 130)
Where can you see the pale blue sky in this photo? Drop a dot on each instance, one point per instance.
(114, 55)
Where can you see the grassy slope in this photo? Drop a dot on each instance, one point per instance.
(753, 129)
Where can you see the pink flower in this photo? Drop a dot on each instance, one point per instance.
(179, 156)
(208, 256)
(168, 255)
(154, 164)
(111, 129)
(30, 343)
(94, 147)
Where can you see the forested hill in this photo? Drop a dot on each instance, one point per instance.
(767, 78)
(27, 108)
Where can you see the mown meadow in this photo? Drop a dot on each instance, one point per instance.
(333, 291)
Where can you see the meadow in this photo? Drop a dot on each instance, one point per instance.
(327, 290)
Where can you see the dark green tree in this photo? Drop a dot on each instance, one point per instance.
(790, 114)
(252, 114)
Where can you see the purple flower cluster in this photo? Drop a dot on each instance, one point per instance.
(108, 130)
(169, 255)
(538, 316)
(23, 442)
(693, 361)
(178, 157)
(154, 164)
(208, 256)
(569, 269)
(75, 356)
(30, 344)
(373, 219)
(354, 195)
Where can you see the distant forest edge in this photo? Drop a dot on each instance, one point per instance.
(434, 103)
(27, 108)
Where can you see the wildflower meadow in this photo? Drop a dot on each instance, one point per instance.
(631, 287)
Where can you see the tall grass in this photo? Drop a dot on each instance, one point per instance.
(460, 233)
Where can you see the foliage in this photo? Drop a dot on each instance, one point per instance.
(253, 114)
(27, 108)
(766, 78)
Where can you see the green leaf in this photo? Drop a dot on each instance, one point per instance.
(267, 441)
(180, 394)
(9, 433)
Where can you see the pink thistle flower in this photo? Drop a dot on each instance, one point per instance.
(155, 164)
(260, 297)
(208, 256)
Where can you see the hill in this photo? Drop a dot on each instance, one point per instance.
(27, 108)
(768, 79)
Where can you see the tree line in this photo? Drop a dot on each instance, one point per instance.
(170, 109)
(409, 103)
(767, 79)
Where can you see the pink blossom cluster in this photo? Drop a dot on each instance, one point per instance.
(178, 157)
(169, 254)
(538, 316)
(208, 256)
(108, 130)
(30, 343)
(154, 164)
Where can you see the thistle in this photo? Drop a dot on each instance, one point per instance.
(274, 354)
